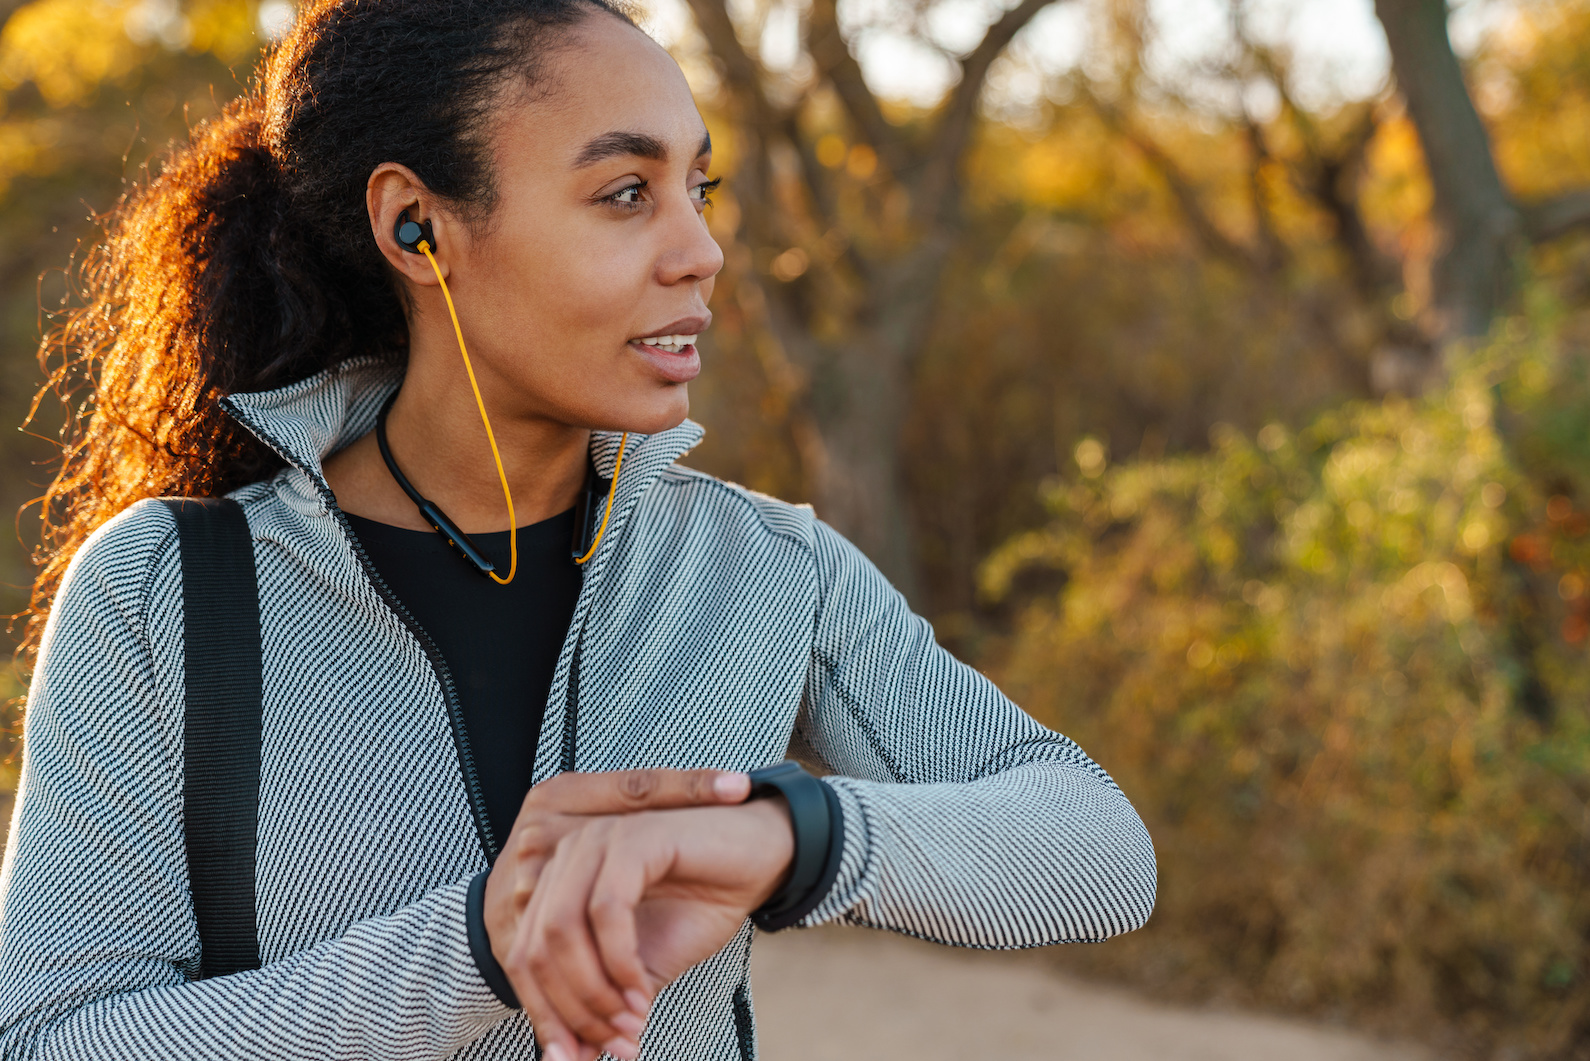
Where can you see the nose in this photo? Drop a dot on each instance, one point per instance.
(690, 254)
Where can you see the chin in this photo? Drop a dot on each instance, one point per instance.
(672, 415)
(654, 416)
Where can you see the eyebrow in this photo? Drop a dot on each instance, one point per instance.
(631, 145)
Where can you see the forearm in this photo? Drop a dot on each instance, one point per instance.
(399, 986)
(965, 821)
(1042, 853)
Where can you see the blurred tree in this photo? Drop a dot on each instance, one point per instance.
(854, 228)
(1139, 255)
(854, 211)
(1483, 227)
(925, 308)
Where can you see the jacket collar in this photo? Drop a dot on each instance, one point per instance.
(308, 421)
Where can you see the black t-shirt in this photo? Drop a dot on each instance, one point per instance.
(501, 643)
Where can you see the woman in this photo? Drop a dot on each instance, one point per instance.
(286, 286)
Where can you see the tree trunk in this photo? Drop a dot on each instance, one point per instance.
(860, 396)
(859, 385)
(1481, 228)
(858, 401)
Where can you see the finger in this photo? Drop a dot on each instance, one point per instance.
(502, 909)
(508, 892)
(558, 1043)
(619, 886)
(562, 955)
(526, 872)
(558, 1040)
(626, 791)
(521, 859)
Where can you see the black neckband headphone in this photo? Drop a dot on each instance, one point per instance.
(416, 237)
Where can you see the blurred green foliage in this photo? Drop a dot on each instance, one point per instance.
(1342, 673)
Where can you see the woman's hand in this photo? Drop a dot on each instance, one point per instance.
(561, 804)
(626, 904)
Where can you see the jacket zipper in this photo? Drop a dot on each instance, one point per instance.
(444, 677)
(571, 704)
(571, 700)
(455, 710)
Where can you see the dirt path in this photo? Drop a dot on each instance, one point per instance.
(837, 994)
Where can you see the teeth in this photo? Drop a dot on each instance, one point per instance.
(669, 342)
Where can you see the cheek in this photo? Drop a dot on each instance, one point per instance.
(579, 292)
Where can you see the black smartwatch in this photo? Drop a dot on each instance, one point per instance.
(818, 826)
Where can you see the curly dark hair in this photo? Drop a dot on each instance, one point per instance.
(248, 263)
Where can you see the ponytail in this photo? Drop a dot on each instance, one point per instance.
(247, 263)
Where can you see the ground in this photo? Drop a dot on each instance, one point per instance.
(844, 994)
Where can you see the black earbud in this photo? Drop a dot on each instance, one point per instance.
(409, 233)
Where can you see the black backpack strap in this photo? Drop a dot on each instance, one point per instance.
(223, 730)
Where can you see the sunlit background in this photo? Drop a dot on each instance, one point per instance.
(1135, 350)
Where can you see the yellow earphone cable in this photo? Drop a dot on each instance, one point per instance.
(611, 490)
(513, 524)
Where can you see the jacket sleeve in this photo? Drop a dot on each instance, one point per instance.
(965, 821)
(97, 934)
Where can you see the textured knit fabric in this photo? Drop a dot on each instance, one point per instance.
(501, 643)
(711, 624)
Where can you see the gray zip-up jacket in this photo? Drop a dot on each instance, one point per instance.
(711, 624)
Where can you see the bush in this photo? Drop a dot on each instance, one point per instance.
(1343, 675)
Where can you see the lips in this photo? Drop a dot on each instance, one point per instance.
(676, 364)
(671, 349)
(684, 326)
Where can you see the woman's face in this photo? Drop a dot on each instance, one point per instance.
(597, 240)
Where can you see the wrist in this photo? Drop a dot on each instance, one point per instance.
(776, 836)
(817, 830)
(480, 947)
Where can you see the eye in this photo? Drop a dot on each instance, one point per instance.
(702, 192)
(630, 196)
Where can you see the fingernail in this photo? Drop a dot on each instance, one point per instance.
(732, 786)
(630, 1024)
(637, 1002)
(555, 1052)
(624, 1049)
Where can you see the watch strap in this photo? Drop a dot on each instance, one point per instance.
(817, 824)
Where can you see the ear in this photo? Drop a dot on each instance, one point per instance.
(392, 189)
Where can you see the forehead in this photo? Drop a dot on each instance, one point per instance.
(605, 76)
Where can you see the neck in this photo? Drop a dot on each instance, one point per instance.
(437, 439)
